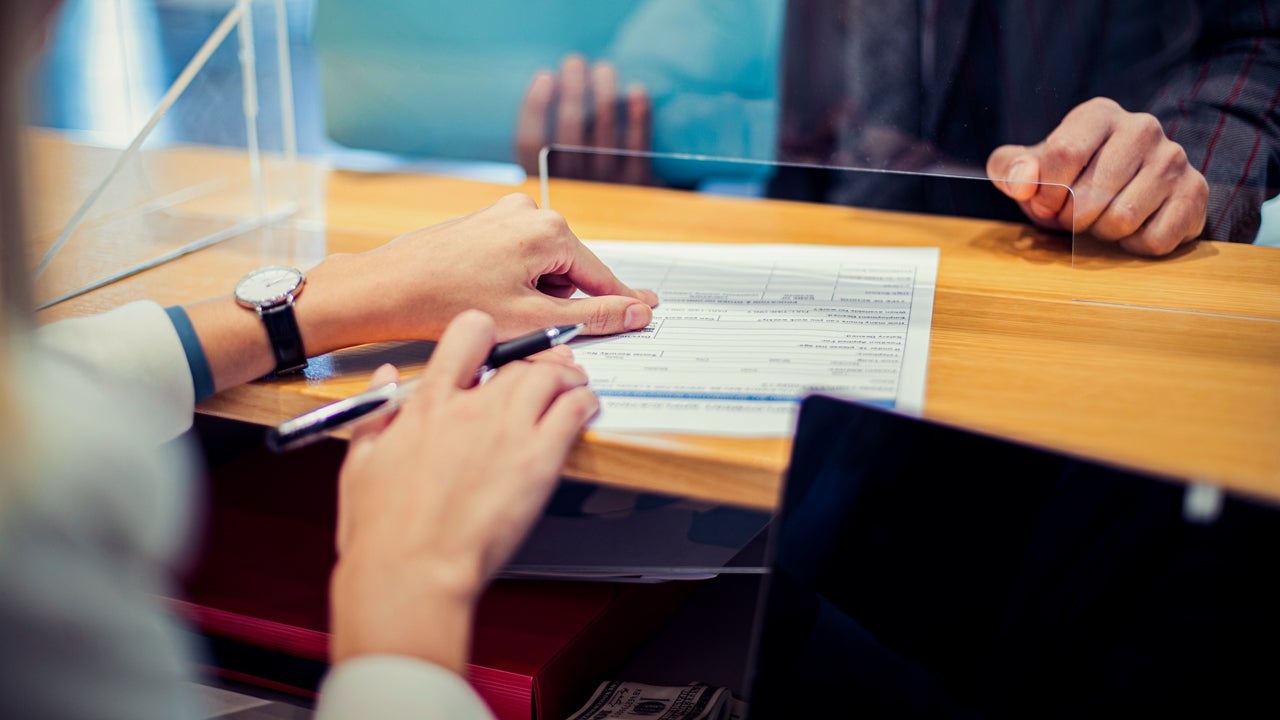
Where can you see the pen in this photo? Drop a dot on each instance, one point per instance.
(311, 426)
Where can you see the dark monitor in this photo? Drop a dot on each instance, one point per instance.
(922, 570)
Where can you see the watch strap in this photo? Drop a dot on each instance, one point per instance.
(286, 339)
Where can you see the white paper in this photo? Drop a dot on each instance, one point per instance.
(743, 332)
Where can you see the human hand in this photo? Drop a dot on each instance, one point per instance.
(434, 500)
(512, 260)
(1131, 183)
(573, 92)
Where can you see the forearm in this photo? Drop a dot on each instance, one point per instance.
(494, 260)
(374, 613)
(339, 306)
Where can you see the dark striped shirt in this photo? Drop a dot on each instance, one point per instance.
(972, 75)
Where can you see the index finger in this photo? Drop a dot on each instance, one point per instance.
(639, 130)
(571, 115)
(604, 135)
(590, 275)
(531, 128)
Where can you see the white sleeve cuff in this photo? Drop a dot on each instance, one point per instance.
(137, 345)
(397, 686)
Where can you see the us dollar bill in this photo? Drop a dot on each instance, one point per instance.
(622, 700)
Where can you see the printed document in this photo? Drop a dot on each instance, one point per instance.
(743, 332)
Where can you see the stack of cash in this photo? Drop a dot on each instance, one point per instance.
(618, 700)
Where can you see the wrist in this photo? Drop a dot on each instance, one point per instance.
(354, 299)
(342, 307)
(398, 613)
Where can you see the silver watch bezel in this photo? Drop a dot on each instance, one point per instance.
(286, 296)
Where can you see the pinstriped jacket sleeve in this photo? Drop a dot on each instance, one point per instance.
(1223, 107)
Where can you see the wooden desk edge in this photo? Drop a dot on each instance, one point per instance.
(721, 470)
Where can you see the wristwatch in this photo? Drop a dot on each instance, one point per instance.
(271, 291)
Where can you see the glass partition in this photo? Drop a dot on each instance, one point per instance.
(935, 88)
(1020, 319)
(153, 170)
(1186, 279)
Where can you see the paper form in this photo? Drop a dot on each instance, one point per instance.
(743, 332)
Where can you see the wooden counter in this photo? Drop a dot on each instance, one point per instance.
(1030, 339)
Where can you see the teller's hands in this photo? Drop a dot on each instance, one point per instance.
(434, 500)
(1131, 183)
(583, 106)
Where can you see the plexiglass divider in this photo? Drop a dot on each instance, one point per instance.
(804, 297)
(168, 175)
(1146, 267)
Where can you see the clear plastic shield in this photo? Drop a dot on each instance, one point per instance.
(935, 88)
(130, 113)
(1152, 256)
(764, 301)
(1016, 333)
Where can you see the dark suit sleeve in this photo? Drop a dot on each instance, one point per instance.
(1221, 106)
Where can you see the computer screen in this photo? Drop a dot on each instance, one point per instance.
(922, 570)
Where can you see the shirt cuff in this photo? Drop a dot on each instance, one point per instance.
(397, 686)
(201, 375)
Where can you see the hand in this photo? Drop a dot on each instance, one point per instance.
(573, 93)
(434, 500)
(1131, 183)
(512, 260)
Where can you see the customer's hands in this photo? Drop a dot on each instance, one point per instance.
(585, 103)
(1131, 183)
(434, 501)
(512, 260)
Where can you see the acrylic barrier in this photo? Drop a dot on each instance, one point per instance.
(183, 130)
(763, 301)
(1035, 333)
(888, 88)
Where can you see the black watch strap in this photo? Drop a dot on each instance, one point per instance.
(286, 339)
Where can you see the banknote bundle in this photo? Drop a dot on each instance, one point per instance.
(619, 700)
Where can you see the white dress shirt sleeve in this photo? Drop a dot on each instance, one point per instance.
(396, 686)
(137, 345)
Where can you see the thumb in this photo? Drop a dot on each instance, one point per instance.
(1015, 170)
(605, 315)
(372, 427)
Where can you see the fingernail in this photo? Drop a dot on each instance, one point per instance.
(1020, 172)
(1041, 211)
(637, 316)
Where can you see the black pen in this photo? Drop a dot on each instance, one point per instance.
(312, 426)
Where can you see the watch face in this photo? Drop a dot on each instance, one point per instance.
(268, 286)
